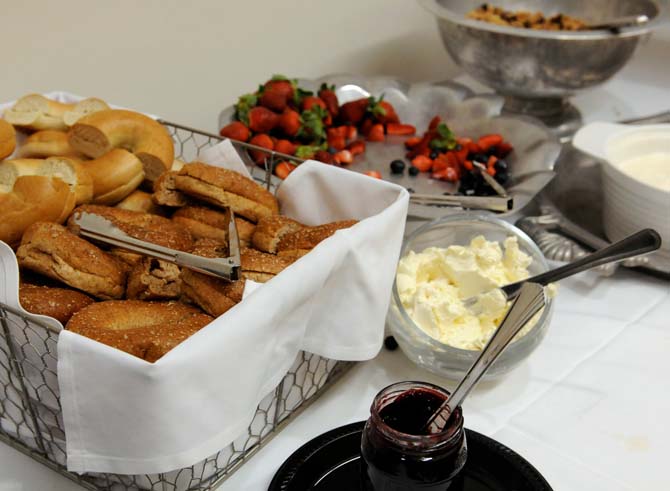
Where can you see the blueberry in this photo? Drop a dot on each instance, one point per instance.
(480, 157)
(433, 155)
(390, 343)
(500, 165)
(502, 177)
(332, 150)
(413, 171)
(397, 167)
(492, 151)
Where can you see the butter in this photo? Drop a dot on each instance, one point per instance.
(433, 284)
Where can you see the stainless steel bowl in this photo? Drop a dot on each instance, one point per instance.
(538, 69)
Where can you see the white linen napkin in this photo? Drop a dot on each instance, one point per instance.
(127, 416)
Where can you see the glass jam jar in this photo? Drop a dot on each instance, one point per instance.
(399, 453)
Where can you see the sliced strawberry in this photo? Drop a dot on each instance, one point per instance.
(400, 129)
(366, 126)
(343, 157)
(503, 149)
(412, 142)
(336, 142)
(327, 95)
(434, 122)
(289, 122)
(262, 120)
(352, 132)
(356, 147)
(324, 156)
(389, 115)
(423, 163)
(283, 169)
(487, 141)
(373, 173)
(340, 131)
(468, 165)
(376, 133)
(235, 131)
(310, 101)
(353, 112)
(264, 141)
(285, 146)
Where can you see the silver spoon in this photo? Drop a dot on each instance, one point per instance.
(528, 302)
(641, 242)
(629, 21)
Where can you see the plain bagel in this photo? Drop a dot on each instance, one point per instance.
(33, 199)
(96, 134)
(36, 112)
(7, 139)
(115, 175)
(47, 143)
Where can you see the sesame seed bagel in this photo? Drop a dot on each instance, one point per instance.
(147, 330)
(59, 303)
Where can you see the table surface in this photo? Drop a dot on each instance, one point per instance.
(588, 408)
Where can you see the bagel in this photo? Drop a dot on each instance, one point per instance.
(7, 139)
(36, 112)
(213, 295)
(153, 279)
(115, 175)
(147, 330)
(270, 230)
(49, 249)
(82, 108)
(59, 303)
(96, 134)
(307, 238)
(47, 143)
(205, 223)
(140, 201)
(165, 191)
(33, 199)
(143, 226)
(226, 188)
(67, 169)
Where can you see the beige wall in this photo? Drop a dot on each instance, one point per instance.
(187, 60)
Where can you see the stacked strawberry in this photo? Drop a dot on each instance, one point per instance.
(451, 158)
(281, 116)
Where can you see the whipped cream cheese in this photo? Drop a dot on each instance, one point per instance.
(433, 284)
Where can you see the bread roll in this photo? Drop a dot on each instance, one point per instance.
(82, 108)
(143, 226)
(7, 139)
(36, 112)
(47, 143)
(226, 188)
(59, 303)
(147, 330)
(49, 249)
(69, 170)
(33, 199)
(115, 175)
(96, 134)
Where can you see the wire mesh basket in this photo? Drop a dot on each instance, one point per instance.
(30, 411)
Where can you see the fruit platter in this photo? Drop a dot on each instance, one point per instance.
(434, 139)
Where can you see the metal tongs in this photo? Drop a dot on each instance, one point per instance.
(500, 204)
(101, 229)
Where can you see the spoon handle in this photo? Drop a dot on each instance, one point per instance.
(641, 242)
(528, 303)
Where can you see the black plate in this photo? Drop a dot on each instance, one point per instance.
(330, 462)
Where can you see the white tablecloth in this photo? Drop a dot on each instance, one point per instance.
(589, 408)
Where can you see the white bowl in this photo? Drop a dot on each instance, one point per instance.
(629, 204)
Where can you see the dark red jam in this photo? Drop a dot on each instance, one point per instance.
(399, 453)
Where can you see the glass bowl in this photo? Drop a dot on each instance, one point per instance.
(441, 358)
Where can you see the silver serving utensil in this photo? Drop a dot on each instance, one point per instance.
(490, 179)
(528, 302)
(641, 242)
(100, 229)
(491, 203)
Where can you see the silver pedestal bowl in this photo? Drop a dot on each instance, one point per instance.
(537, 70)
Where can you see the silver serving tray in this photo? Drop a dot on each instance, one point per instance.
(530, 165)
